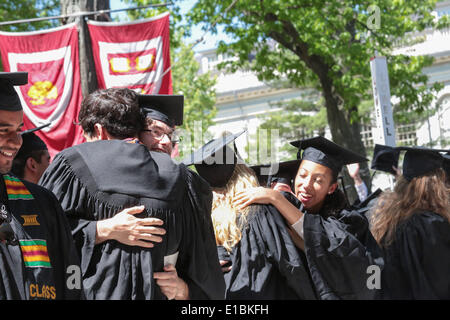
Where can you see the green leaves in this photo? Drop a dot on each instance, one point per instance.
(300, 118)
(327, 45)
(28, 9)
(338, 33)
(199, 95)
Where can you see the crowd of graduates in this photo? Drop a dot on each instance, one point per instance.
(139, 225)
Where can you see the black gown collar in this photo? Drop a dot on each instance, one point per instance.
(118, 167)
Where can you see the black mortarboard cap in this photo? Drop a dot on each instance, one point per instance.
(167, 108)
(384, 157)
(418, 161)
(284, 172)
(327, 153)
(262, 178)
(9, 99)
(215, 161)
(31, 142)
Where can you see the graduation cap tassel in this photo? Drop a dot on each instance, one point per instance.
(35, 129)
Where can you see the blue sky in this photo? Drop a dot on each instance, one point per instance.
(210, 41)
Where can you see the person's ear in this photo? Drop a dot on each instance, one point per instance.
(97, 131)
(31, 164)
(332, 188)
(100, 132)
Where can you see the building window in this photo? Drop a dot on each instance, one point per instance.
(405, 135)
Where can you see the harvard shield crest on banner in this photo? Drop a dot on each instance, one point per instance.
(53, 92)
(134, 54)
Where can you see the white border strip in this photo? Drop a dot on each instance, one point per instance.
(127, 23)
(29, 33)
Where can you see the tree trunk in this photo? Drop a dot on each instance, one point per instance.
(349, 136)
(87, 67)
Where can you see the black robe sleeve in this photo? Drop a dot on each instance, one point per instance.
(339, 251)
(73, 197)
(61, 247)
(265, 263)
(369, 204)
(198, 264)
(418, 260)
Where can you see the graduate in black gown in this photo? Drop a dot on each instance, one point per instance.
(337, 242)
(278, 176)
(130, 209)
(412, 225)
(37, 254)
(162, 114)
(264, 261)
(385, 159)
(33, 157)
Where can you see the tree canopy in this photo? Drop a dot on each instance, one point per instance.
(328, 45)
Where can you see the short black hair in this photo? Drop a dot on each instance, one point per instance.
(18, 166)
(116, 109)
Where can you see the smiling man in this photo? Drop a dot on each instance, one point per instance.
(10, 139)
(36, 246)
(162, 113)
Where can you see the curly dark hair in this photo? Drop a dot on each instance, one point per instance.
(116, 109)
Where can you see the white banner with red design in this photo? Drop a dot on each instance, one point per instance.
(134, 54)
(53, 92)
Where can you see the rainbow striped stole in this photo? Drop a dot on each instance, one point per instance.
(34, 252)
(15, 189)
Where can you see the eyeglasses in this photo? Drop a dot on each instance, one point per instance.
(159, 135)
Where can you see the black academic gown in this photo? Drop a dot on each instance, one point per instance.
(96, 180)
(418, 260)
(339, 249)
(38, 263)
(204, 277)
(366, 207)
(266, 265)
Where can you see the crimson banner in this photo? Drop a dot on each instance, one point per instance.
(134, 54)
(53, 92)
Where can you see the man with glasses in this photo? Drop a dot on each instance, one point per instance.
(37, 252)
(162, 113)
